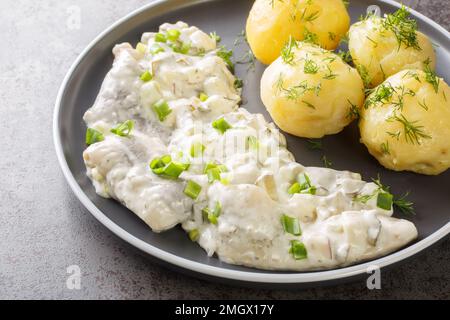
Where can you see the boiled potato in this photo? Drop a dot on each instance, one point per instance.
(310, 91)
(378, 52)
(272, 22)
(405, 122)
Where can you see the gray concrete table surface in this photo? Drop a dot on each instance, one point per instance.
(44, 228)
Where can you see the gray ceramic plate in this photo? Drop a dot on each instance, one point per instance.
(80, 87)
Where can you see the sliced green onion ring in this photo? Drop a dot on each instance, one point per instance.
(93, 136)
(192, 189)
(291, 225)
(123, 129)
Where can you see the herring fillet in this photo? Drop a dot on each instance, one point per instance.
(336, 229)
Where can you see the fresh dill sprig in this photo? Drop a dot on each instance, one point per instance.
(430, 76)
(248, 58)
(364, 73)
(315, 144)
(403, 27)
(385, 148)
(353, 112)
(287, 53)
(310, 17)
(401, 203)
(381, 94)
(326, 162)
(401, 92)
(308, 104)
(310, 37)
(241, 38)
(310, 67)
(345, 56)
(226, 55)
(411, 130)
(332, 36)
(329, 75)
(404, 205)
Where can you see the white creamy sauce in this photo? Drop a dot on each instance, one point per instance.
(253, 194)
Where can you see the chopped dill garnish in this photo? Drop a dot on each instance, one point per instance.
(345, 56)
(310, 67)
(364, 73)
(329, 75)
(287, 53)
(381, 94)
(412, 131)
(310, 17)
(385, 148)
(310, 37)
(401, 93)
(248, 58)
(332, 36)
(326, 162)
(346, 3)
(423, 105)
(241, 38)
(401, 203)
(309, 105)
(353, 112)
(315, 144)
(405, 206)
(373, 41)
(295, 92)
(430, 76)
(403, 27)
(226, 55)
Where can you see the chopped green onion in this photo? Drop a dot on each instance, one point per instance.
(156, 48)
(213, 174)
(298, 250)
(291, 225)
(162, 109)
(215, 37)
(146, 76)
(192, 189)
(93, 136)
(203, 97)
(384, 200)
(295, 188)
(303, 185)
(159, 37)
(194, 235)
(141, 48)
(197, 149)
(210, 165)
(221, 125)
(166, 168)
(253, 142)
(213, 215)
(173, 34)
(123, 129)
(183, 48)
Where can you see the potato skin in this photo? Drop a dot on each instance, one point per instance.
(376, 52)
(422, 106)
(269, 27)
(324, 107)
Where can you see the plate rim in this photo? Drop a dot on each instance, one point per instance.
(257, 276)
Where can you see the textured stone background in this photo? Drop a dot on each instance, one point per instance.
(44, 228)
